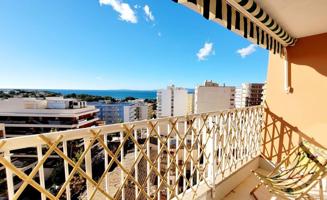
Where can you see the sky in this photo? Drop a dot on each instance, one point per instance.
(119, 44)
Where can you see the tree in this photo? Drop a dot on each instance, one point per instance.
(128, 99)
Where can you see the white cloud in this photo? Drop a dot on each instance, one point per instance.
(99, 78)
(159, 34)
(148, 14)
(205, 51)
(244, 52)
(137, 6)
(126, 13)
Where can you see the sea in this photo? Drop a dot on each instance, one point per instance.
(118, 94)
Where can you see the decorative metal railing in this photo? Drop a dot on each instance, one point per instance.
(156, 159)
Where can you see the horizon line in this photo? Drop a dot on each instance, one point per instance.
(86, 89)
(76, 89)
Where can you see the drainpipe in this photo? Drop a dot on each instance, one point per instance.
(286, 73)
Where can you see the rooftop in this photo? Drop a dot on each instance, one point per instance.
(51, 107)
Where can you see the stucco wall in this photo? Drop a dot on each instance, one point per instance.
(305, 107)
(209, 99)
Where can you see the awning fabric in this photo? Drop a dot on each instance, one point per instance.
(246, 18)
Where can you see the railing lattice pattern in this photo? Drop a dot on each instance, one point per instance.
(166, 158)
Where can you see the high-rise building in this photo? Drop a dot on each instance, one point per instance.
(2, 131)
(249, 94)
(23, 116)
(151, 111)
(112, 113)
(190, 105)
(213, 97)
(172, 101)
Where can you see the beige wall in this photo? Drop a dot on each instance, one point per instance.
(305, 107)
(190, 105)
(211, 99)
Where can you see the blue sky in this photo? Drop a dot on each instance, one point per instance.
(112, 44)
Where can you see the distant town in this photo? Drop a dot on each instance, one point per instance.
(31, 112)
(25, 112)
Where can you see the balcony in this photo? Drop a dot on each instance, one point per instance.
(205, 156)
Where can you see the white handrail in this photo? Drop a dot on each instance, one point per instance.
(178, 153)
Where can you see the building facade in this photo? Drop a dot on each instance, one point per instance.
(190, 105)
(23, 116)
(172, 101)
(112, 113)
(249, 94)
(213, 97)
(151, 111)
(2, 131)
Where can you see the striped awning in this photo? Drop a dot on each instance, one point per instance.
(246, 18)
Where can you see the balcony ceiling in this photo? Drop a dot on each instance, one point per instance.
(300, 18)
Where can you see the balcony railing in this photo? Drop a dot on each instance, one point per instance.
(155, 159)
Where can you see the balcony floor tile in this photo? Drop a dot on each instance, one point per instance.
(242, 191)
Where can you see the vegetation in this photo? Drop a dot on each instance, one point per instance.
(5, 94)
(150, 100)
(89, 98)
(128, 99)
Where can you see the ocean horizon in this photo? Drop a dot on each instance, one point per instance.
(118, 93)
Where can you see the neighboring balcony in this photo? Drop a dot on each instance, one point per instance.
(204, 156)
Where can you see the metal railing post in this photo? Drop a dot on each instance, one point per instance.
(41, 170)
(122, 158)
(9, 175)
(210, 150)
(66, 168)
(106, 163)
(88, 166)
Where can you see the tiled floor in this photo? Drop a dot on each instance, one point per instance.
(242, 192)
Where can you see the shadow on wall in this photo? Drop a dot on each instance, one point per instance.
(308, 51)
(279, 137)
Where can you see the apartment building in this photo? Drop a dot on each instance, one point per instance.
(213, 97)
(112, 113)
(24, 116)
(190, 104)
(249, 94)
(2, 131)
(172, 101)
(151, 111)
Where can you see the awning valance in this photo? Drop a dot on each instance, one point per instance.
(246, 18)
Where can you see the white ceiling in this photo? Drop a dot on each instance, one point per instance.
(300, 18)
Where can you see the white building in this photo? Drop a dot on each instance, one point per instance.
(112, 113)
(212, 97)
(141, 108)
(23, 116)
(172, 101)
(249, 94)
